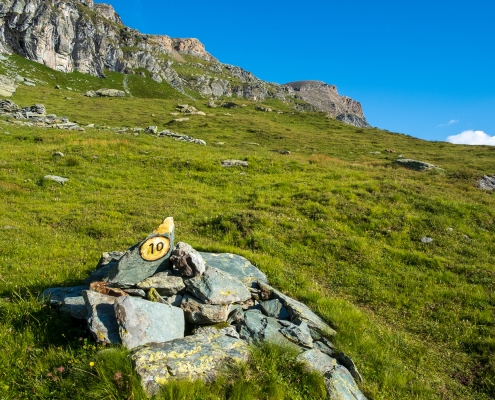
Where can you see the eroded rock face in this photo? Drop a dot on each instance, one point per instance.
(325, 97)
(193, 357)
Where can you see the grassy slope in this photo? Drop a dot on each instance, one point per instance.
(331, 224)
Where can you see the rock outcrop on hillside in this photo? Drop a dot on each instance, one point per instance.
(325, 97)
(79, 35)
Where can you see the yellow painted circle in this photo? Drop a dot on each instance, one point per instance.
(154, 248)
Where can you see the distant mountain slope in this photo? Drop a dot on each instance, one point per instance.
(79, 35)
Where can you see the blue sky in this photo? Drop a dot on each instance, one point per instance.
(423, 68)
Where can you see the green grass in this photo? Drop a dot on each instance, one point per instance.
(331, 224)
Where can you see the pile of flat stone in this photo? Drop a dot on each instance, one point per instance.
(35, 115)
(181, 138)
(185, 314)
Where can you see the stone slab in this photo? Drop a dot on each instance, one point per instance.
(235, 265)
(217, 287)
(102, 322)
(142, 322)
(196, 312)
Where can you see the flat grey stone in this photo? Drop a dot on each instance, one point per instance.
(218, 287)
(234, 163)
(75, 306)
(57, 179)
(102, 322)
(110, 93)
(187, 260)
(7, 86)
(298, 334)
(315, 360)
(427, 240)
(164, 284)
(190, 358)
(324, 348)
(341, 386)
(414, 164)
(222, 328)
(235, 265)
(298, 311)
(142, 322)
(274, 308)
(133, 268)
(197, 312)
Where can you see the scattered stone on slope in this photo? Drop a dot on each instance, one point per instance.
(102, 322)
(414, 164)
(152, 129)
(7, 86)
(198, 312)
(217, 287)
(426, 240)
(164, 284)
(57, 179)
(234, 163)
(347, 362)
(487, 182)
(8, 106)
(58, 154)
(146, 258)
(318, 361)
(180, 138)
(188, 261)
(142, 322)
(110, 93)
(193, 357)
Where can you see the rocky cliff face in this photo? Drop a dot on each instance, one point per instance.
(326, 98)
(69, 35)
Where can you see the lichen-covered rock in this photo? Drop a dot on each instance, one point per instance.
(224, 328)
(237, 266)
(146, 258)
(102, 322)
(187, 260)
(142, 322)
(197, 312)
(164, 284)
(217, 287)
(193, 357)
(298, 311)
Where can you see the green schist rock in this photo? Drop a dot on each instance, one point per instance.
(341, 386)
(146, 258)
(298, 311)
(101, 317)
(164, 284)
(108, 261)
(236, 266)
(218, 287)
(274, 308)
(197, 312)
(75, 306)
(299, 334)
(142, 322)
(193, 357)
(338, 380)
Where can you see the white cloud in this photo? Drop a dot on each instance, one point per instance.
(472, 137)
(451, 122)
